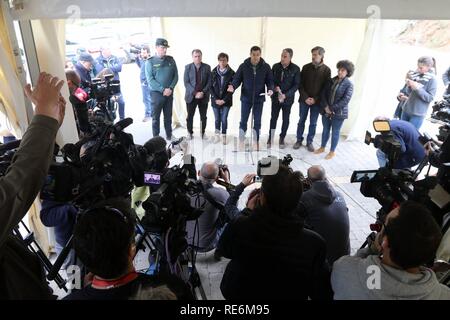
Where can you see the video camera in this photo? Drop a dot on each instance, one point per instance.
(102, 91)
(441, 114)
(392, 187)
(105, 88)
(103, 165)
(385, 141)
(136, 49)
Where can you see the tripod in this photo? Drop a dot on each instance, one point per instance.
(30, 242)
(164, 262)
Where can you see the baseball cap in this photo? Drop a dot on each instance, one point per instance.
(86, 57)
(162, 42)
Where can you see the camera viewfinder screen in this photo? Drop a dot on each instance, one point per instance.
(152, 179)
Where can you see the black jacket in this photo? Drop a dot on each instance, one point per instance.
(290, 83)
(85, 75)
(219, 92)
(273, 258)
(327, 214)
(190, 81)
(21, 273)
(253, 84)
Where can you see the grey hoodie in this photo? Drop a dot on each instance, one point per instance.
(350, 278)
(326, 213)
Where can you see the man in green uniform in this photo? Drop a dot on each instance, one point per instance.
(162, 77)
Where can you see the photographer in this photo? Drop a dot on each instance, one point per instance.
(419, 90)
(408, 240)
(84, 68)
(104, 241)
(21, 273)
(327, 214)
(411, 153)
(208, 225)
(231, 208)
(108, 61)
(272, 255)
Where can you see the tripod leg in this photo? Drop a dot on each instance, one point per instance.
(196, 282)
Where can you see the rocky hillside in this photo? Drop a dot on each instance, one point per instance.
(430, 34)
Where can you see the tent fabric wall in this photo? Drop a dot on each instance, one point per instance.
(50, 38)
(12, 102)
(236, 36)
(64, 9)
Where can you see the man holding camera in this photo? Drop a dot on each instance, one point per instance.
(412, 151)
(209, 224)
(162, 76)
(84, 68)
(393, 266)
(21, 273)
(272, 255)
(106, 60)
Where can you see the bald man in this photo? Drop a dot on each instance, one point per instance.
(208, 227)
(327, 214)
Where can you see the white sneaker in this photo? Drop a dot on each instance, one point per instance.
(216, 138)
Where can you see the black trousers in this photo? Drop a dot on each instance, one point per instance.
(202, 107)
(276, 108)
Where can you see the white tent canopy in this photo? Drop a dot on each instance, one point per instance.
(234, 26)
(386, 9)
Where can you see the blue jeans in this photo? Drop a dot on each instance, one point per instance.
(335, 126)
(164, 104)
(381, 156)
(121, 103)
(146, 98)
(416, 121)
(276, 107)
(245, 113)
(314, 114)
(221, 116)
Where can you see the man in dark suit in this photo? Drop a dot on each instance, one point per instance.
(197, 80)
